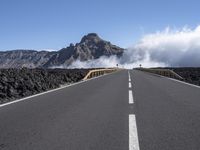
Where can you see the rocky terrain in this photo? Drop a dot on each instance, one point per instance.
(18, 83)
(190, 75)
(91, 46)
(24, 58)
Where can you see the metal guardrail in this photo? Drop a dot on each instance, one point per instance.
(98, 72)
(163, 72)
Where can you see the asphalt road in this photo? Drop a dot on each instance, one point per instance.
(99, 115)
(88, 116)
(167, 112)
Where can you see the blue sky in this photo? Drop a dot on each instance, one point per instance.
(53, 24)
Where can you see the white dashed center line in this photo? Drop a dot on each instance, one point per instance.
(133, 136)
(133, 133)
(129, 85)
(129, 78)
(130, 97)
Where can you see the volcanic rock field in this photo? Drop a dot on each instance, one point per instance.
(19, 83)
(190, 74)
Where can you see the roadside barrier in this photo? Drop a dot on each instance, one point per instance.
(163, 72)
(99, 72)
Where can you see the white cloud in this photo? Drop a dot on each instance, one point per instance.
(96, 63)
(172, 47)
(49, 50)
(178, 48)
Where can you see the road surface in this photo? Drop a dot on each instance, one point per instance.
(119, 111)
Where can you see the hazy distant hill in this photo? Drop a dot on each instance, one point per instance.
(91, 46)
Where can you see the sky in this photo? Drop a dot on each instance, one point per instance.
(54, 24)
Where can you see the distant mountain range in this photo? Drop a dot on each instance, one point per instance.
(90, 47)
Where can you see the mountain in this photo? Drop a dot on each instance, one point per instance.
(24, 58)
(90, 47)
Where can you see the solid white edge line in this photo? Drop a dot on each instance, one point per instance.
(130, 97)
(62, 87)
(184, 82)
(196, 86)
(133, 133)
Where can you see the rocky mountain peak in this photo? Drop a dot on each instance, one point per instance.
(90, 47)
(91, 37)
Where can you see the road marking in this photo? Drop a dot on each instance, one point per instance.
(129, 78)
(129, 85)
(130, 97)
(133, 134)
(176, 80)
(62, 87)
(184, 82)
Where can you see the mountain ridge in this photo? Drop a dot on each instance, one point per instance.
(90, 47)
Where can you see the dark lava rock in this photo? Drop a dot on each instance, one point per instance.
(190, 74)
(18, 83)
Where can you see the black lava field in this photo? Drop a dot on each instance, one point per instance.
(190, 75)
(19, 83)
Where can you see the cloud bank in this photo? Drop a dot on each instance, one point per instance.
(173, 48)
